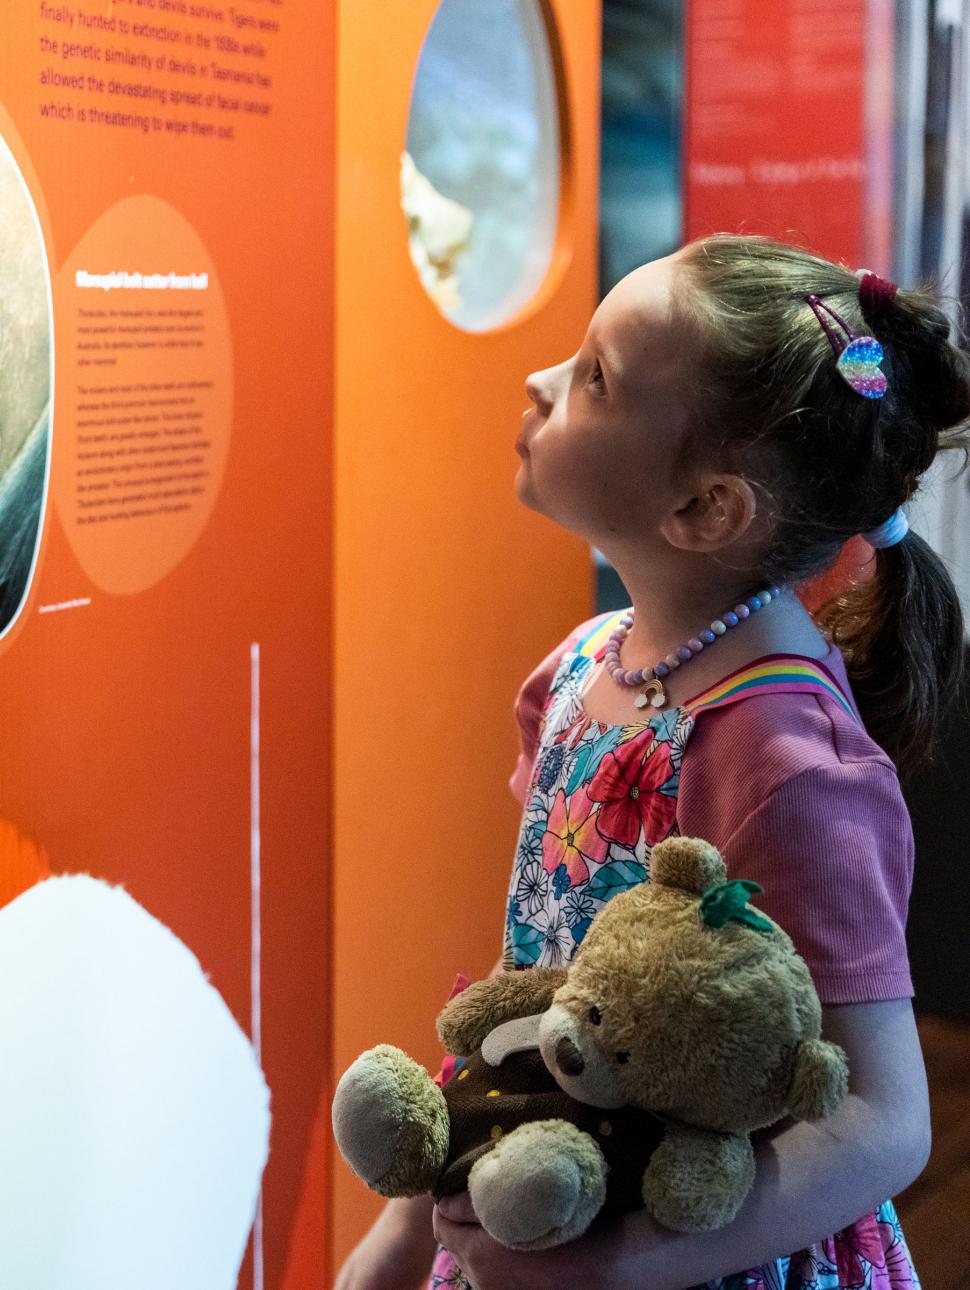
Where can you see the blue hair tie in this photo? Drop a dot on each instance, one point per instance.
(888, 534)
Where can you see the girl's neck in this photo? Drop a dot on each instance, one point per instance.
(661, 625)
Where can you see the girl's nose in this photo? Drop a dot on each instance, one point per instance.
(537, 388)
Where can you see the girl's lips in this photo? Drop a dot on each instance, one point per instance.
(520, 446)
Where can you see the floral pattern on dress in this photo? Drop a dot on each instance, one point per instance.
(631, 786)
(870, 1255)
(446, 1274)
(601, 797)
(571, 843)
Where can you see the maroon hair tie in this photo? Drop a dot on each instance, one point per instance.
(874, 294)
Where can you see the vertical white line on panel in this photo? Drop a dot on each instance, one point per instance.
(256, 938)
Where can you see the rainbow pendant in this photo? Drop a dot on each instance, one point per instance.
(652, 694)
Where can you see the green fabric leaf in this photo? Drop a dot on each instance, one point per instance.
(727, 902)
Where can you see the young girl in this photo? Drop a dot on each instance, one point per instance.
(718, 439)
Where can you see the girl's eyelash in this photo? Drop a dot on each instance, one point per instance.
(598, 375)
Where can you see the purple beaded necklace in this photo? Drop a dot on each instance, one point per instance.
(651, 678)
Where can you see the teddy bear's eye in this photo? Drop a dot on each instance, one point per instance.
(595, 1016)
(622, 1058)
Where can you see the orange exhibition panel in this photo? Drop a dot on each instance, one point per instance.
(166, 346)
(268, 299)
(448, 592)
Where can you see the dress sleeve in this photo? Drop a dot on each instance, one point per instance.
(833, 849)
(529, 704)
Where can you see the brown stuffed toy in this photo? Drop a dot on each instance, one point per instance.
(634, 1077)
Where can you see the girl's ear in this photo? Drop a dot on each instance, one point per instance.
(719, 513)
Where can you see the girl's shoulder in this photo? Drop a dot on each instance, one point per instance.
(534, 691)
(806, 743)
(810, 719)
(588, 637)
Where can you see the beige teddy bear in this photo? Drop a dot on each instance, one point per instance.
(634, 1077)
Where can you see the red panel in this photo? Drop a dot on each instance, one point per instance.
(774, 139)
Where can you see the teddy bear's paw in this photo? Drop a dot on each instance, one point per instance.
(820, 1080)
(541, 1185)
(391, 1122)
(696, 1180)
(464, 1022)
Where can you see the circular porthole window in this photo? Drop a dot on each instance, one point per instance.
(26, 386)
(480, 174)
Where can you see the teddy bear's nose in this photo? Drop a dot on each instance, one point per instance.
(568, 1057)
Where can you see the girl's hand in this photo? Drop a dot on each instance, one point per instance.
(396, 1253)
(593, 1259)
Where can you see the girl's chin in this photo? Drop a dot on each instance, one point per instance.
(524, 493)
(522, 483)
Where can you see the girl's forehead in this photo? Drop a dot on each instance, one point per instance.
(635, 317)
(643, 297)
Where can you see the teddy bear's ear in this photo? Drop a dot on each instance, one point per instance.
(689, 863)
(820, 1080)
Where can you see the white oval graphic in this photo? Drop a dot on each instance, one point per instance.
(133, 1113)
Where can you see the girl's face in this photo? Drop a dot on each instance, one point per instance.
(598, 444)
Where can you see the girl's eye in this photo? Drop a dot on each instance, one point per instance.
(597, 378)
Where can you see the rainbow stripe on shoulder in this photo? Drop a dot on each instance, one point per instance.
(594, 642)
(771, 674)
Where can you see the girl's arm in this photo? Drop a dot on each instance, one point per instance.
(396, 1253)
(811, 1180)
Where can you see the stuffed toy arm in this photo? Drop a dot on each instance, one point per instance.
(468, 1018)
(820, 1080)
(697, 1179)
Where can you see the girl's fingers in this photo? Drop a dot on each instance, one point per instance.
(457, 1209)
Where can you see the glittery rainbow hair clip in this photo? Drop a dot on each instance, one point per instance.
(857, 357)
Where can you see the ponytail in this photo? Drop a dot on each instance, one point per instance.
(902, 636)
(769, 404)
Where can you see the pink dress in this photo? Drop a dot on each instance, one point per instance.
(782, 778)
